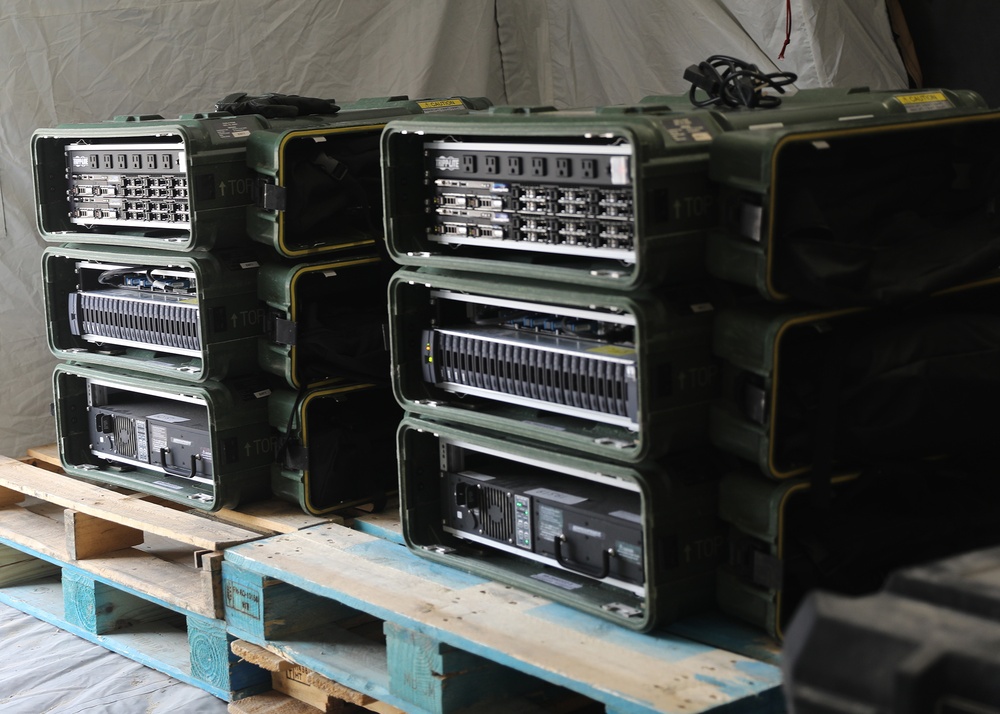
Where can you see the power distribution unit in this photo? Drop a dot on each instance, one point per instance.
(842, 388)
(621, 376)
(207, 445)
(336, 446)
(319, 189)
(325, 320)
(634, 545)
(786, 540)
(188, 316)
(878, 211)
(616, 197)
(186, 184)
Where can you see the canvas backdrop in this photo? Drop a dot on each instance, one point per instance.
(70, 61)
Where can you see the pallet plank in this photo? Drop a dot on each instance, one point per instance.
(99, 502)
(497, 622)
(99, 608)
(16, 567)
(88, 536)
(159, 580)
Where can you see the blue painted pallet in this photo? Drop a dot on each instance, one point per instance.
(139, 579)
(443, 627)
(712, 628)
(184, 645)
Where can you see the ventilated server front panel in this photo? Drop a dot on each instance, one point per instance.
(141, 185)
(569, 199)
(136, 306)
(576, 362)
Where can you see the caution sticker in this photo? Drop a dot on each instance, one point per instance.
(924, 101)
(440, 105)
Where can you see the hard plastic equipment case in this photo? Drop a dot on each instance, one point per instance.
(617, 376)
(186, 316)
(336, 446)
(207, 446)
(675, 539)
(616, 197)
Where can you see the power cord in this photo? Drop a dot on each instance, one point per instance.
(738, 84)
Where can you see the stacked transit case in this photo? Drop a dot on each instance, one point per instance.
(586, 317)
(206, 272)
(859, 379)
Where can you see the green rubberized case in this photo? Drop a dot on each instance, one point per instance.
(145, 181)
(207, 446)
(186, 316)
(617, 376)
(876, 210)
(616, 197)
(789, 538)
(336, 446)
(325, 319)
(318, 189)
(640, 566)
(801, 382)
(179, 184)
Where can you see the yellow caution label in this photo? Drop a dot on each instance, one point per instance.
(924, 101)
(922, 98)
(436, 105)
(612, 350)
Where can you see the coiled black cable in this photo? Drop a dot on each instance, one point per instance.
(731, 82)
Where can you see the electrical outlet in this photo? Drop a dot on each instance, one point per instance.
(492, 164)
(468, 163)
(514, 165)
(588, 168)
(538, 165)
(563, 168)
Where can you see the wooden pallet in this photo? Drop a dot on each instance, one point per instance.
(136, 577)
(711, 627)
(453, 640)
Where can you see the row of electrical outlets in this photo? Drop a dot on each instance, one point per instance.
(540, 166)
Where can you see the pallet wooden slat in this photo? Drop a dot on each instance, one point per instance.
(185, 645)
(119, 508)
(627, 671)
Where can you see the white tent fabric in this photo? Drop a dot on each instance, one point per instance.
(45, 669)
(66, 61)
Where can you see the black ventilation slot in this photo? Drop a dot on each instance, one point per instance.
(527, 371)
(497, 515)
(125, 441)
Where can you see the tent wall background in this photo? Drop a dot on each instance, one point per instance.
(64, 61)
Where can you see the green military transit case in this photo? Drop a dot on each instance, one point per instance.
(336, 446)
(325, 320)
(185, 184)
(207, 446)
(787, 538)
(616, 197)
(837, 389)
(872, 212)
(188, 316)
(624, 376)
(145, 181)
(636, 545)
(318, 189)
